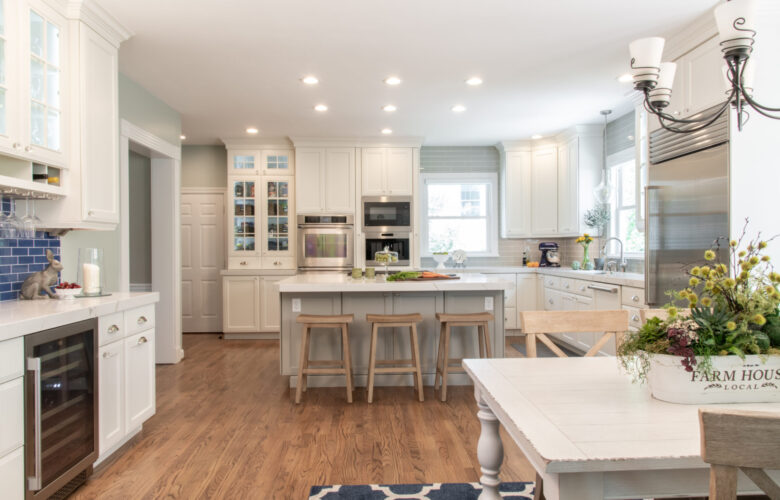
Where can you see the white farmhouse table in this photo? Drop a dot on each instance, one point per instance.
(590, 432)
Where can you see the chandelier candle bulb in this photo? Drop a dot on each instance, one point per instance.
(646, 56)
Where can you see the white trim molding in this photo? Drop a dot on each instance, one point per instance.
(203, 190)
(357, 142)
(99, 19)
(149, 140)
(258, 143)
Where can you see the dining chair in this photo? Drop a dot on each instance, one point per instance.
(734, 440)
(537, 324)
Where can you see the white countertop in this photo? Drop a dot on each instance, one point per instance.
(22, 317)
(624, 279)
(342, 283)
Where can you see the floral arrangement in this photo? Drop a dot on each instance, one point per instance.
(731, 310)
(585, 240)
(597, 217)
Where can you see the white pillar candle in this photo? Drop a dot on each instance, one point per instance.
(91, 273)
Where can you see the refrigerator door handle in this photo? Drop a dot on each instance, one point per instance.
(34, 481)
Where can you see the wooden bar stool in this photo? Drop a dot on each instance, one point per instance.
(412, 365)
(444, 364)
(324, 367)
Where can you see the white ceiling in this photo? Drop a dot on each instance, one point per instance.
(229, 64)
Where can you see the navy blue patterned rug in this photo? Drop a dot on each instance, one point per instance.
(434, 491)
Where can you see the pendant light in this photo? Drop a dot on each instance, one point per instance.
(602, 191)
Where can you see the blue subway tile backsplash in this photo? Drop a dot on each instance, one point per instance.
(21, 256)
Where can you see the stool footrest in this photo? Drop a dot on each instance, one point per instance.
(394, 361)
(326, 362)
(410, 369)
(324, 371)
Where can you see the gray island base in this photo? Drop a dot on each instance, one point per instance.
(336, 293)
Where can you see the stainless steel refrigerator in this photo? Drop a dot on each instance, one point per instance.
(687, 207)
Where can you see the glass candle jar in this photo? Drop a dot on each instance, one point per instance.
(90, 273)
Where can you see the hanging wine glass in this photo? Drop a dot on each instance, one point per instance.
(36, 221)
(5, 225)
(17, 228)
(28, 223)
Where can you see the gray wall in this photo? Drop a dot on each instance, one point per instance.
(140, 179)
(146, 111)
(203, 166)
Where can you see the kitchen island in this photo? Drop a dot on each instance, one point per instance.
(337, 293)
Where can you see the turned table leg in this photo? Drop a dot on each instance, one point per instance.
(490, 451)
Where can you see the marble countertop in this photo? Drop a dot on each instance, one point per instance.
(624, 279)
(22, 317)
(341, 283)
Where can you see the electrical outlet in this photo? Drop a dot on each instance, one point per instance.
(488, 303)
(296, 305)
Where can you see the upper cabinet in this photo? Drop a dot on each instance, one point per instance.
(325, 180)
(387, 171)
(516, 193)
(260, 161)
(544, 198)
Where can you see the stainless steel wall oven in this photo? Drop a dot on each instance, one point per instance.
(326, 242)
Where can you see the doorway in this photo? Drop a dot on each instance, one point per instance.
(203, 256)
(165, 240)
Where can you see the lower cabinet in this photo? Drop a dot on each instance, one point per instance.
(521, 297)
(12, 475)
(12, 481)
(127, 395)
(250, 304)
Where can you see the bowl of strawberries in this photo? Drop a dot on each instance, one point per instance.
(67, 290)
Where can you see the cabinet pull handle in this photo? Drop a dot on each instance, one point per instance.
(142, 340)
(28, 148)
(551, 301)
(243, 262)
(34, 481)
(113, 329)
(603, 288)
(107, 354)
(567, 286)
(635, 298)
(90, 213)
(142, 320)
(17, 145)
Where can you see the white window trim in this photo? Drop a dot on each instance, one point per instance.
(458, 178)
(613, 161)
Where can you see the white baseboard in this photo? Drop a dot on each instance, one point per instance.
(251, 336)
(140, 287)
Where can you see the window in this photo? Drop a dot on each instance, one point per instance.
(460, 211)
(623, 201)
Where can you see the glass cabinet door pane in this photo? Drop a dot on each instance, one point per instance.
(242, 162)
(53, 86)
(36, 80)
(53, 129)
(36, 34)
(276, 162)
(2, 59)
(283, 190)
(52, 44)
(37, 124)
(3, 126)
(2, 19)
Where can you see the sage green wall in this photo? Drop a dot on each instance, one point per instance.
(146, 111)
(203, 166)
(140, 179)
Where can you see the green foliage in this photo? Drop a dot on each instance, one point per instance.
(597, 217)
(772, 329)
(403, 275)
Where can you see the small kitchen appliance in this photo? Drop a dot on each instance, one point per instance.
(550, 257)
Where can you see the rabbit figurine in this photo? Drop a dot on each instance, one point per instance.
(42, 281)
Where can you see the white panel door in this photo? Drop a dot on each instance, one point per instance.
(309, 180)
(112, 395)
(270, 314)
(544, 197)
(99, 128)
(339, 181)
(203, 256)
(399, 168)
(373, 171)
(140, 397)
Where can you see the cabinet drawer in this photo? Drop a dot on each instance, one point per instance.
(11, 359)
(510, 318)
(634, 297)
(12, 475)
(279, 263)
(634, 317)
(552, 282)
(139, 319)
(244, 262)
(111, 328)
(12, 416)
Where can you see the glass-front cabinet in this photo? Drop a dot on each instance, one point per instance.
(244, 162)
(243, 216)
(277, 162)
(9, 86)
(278, 227)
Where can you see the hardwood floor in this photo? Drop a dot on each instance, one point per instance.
(226, 427)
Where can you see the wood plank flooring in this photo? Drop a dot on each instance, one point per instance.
(226, 427)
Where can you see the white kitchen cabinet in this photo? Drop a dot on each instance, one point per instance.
(510, 301)
(387, 171)
(12, 481)
(278, 223)
(12, 419)
(568, 214)
(516, 194)
(270, 298)
(140, 397)
(10, 81)
(112, 395)
(544, 197)
(325, 180)
(240, 304)
(278, 162)
(244, 161)
(527, 300)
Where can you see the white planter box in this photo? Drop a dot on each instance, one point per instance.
(754, 380)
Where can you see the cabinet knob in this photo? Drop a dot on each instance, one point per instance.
(113, 329)
(142, 320)
(28, 148)
(142, 340)
(243, 262)
(635, 317)
(635, 298)
(107, 354)
(17, 145)
(567, 286)
(551, 301)
(90, 213)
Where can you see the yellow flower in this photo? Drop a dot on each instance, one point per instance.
(692, 296)
(709, 285)
(731, 326)
(746, 266)
(706, 301)
(692, 301)
(672, 311)
(705, 270)
(693, 282)
(722, 268)
(754, 260)
(695, 271)
(709, 255)
(758, 319)
(683, 294)
(729, 283)
(586, 235)
(765, 258)
(744, 275)
(713, 274)
(776, 295)
(742, 253)
(762, 245)
(733, 243)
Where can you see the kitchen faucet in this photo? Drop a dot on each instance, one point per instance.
(608, 264)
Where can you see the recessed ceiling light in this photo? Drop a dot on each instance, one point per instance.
(252, 130)
(182, 137)
(392, 80)
(459, 108)
(474, 81)
(625, 78)
(387, 131)
(536, 136)
(320, 107)
(310, 80)
(389, 108)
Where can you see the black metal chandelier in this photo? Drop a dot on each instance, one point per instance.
(736, 22)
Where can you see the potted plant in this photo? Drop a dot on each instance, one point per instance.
(724, 347)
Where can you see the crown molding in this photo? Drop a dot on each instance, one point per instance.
(507, 146)
(690, 37)
(258, 143)
(99, 19)
(595, 130)
(357, 142)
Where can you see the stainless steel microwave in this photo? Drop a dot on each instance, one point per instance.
(387, 214)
